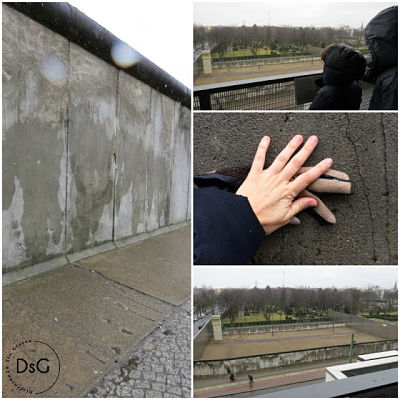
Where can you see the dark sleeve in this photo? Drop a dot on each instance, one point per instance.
(384, 96)
(322, 101)
(226, 230)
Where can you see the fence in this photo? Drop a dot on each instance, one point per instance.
(281, 92)
(93, 155)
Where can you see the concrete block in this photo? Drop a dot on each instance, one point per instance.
(91, 150)
(134, 135)
(35, 99)
(159, 172)
(181, 163)
(362, 145)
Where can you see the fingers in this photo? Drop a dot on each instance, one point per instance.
(302, 204)
(284, 156)
(259, 158)
(300, 158)
(304, 180)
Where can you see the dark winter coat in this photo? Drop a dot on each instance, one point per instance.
(226, 230)
(343, 66)
(381, 39)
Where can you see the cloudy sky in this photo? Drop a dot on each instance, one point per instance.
(294, 13)
(159, 30)
(295, 276)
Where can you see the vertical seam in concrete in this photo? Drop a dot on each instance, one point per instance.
(375, 259)
(67, 150)
(387, 188)
(147, 141)
(115, 165)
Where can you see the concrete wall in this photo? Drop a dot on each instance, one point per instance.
(92, 157)
(205, 368)
(202, 339)
(281, 328)
(364, 145)
(375, 328)
(262, 61)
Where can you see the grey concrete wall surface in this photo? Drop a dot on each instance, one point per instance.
(92, 157)
(243, 364)
(202, 339)
(364, 145)
(361, 324)
(281, 327)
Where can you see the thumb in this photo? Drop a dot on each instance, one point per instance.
(302, 204)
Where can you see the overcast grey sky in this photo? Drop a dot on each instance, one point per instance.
(294, 13)
(295, 276)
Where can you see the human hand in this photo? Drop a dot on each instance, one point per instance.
(271, 192)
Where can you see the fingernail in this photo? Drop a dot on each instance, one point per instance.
(329, 161)
(264, 139)
(313, 139)
(298, 138)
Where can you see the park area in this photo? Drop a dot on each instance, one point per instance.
(242, 345)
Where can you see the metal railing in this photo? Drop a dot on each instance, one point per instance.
(281, 92)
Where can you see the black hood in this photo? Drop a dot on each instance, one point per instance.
(343, 65)
(381, 39)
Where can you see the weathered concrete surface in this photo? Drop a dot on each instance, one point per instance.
(159, 175)
(34, 144)
(92, 156)
(363, 145)
(281, 359)
(91, 321)
(141, 265)
(91, 150)
(134, 137)
(181, 163)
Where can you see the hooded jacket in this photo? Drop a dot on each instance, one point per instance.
(381, 39)
(343, 66)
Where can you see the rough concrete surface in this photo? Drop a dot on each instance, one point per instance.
(93, 322)
(92, 155)
(364, 145)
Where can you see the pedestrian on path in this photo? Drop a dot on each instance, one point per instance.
(251, 380)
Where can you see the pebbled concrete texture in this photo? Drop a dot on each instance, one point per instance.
(364, 145)
(92, 156)
(94, 322)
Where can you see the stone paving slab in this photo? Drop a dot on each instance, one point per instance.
(161, 367)
(159, 266)
(92, 323)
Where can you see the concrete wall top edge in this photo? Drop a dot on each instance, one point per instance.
(294, 351)
(75, 26)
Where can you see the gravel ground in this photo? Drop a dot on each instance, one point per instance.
(160, 367)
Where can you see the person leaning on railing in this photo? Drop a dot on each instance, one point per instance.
(343, 67)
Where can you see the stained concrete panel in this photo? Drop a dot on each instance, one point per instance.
(362, 145)
(160, 153)
(181, 162)
(35, 99)
(134, 124)
(91, 150)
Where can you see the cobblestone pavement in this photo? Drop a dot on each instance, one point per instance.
(161, 365)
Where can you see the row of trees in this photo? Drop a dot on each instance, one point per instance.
(273, 37)
(299, 302)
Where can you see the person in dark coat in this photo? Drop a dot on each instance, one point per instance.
(343, 66)
(231, 217)
(381, 39)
